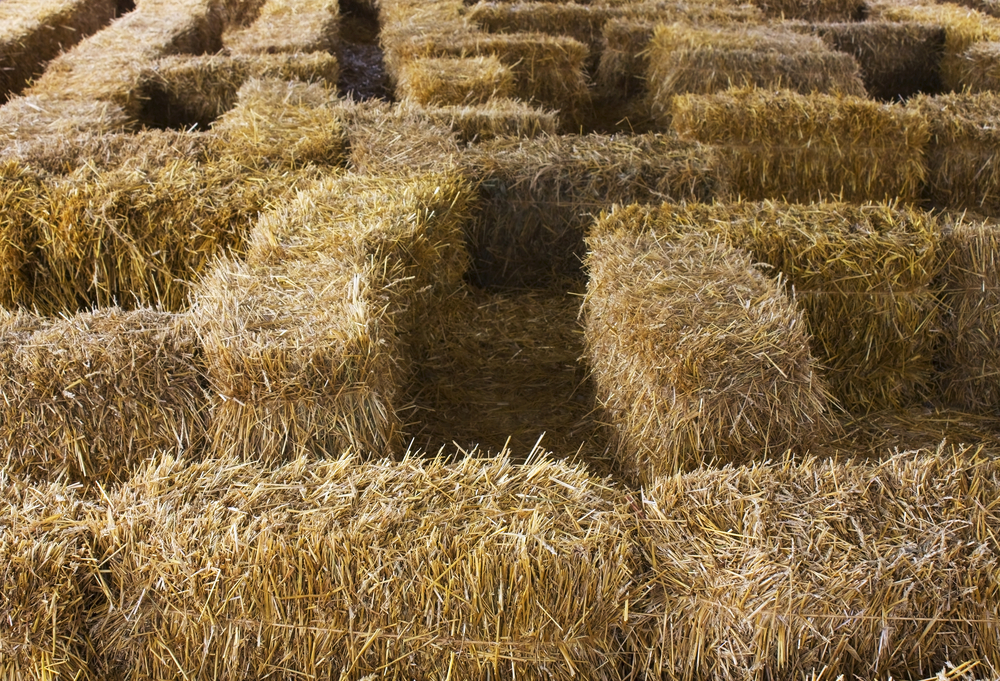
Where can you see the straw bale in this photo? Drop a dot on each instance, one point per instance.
(25, 119)
(289, 26)
(413, 29)
(863, 275)
(781, 144)
(281, 124)
(538, 197)
(897, 59)
(417, 569)
(873, 436)
(496, 118)
(46, 580)
(814, 10)
(963, 168)
(135, 236)
(819, 569)
(698, 358)
(445, 81)
(582, 22)
(32, 33)
(89, 397)
(301, 356)
(183, 91)
(963, 28)
(981, 67)
(108, 66)
(502, 370)
(683, 59)
(19, 191)
(969, 353)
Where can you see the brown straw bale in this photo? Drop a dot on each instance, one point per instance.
(32, 33)
(47, 580)
(814, 10)
(108, 66)
(289, 26)
(863, 275)
(19, 193)
(281, 124)
(89, 397)
(583, 22)
(963, 28)
(496, 118)
(342, 569)
(25, 120)
(964, 171)
(302, 357)
(197, 90)
(825, 570)
(981, 67)
(809, 147)
(538, 197)
(897, 59)
(503, 369)
(624, 61)
(873, 436)
(698, 357)
(451, 81)
(969, 352)
(683, 59)
(412, 29)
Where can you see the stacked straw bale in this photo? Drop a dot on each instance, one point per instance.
(963, 28)
(135, 235)
(197, 90)
(496, 118)
(410, 27)
(26, 120)
(981, 67)
(897, 59)
(19, 191)
(864, 276)
(46, 581)
(969, 353)
(825, 570)
(539, 196)
(814, 10)
(582, 22)
(698, 358)
(89, 397)
(281, 124)
(451, 81)
(683, 59)
(808, 147)
(32, 33)
(289, 26)
(417, 569)
(306, 342)
(963, 167)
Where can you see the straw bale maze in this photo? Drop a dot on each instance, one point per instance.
(445, 340)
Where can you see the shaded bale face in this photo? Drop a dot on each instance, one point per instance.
(698, 358)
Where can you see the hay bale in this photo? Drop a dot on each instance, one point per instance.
(32, 33)
(289, 26)
(347, 568)
(184, 92)
(445, 81)
(496, 118)
(802, 570)
(19, 191)
(47, 579)
(981, 68)
(963, 170)
(25, 120)
(969, 353)
(809, 147)
(863, 275)
(87, 398)
(538, 197)
(698, 358)
(814, 10)
(281, 124)
(963, 28)
(583, 22)
(897, 59)
(683, 59)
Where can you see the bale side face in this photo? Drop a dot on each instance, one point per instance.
(409, 569)
(286, 26)
(698, 358)
(497, 118)
(963, 170)
(448, 81)
(20, 190)
(813, 10)
(784, 145)
(88, 398)
(825, 570)
(981, 67)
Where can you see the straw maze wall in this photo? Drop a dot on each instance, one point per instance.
(635, 239)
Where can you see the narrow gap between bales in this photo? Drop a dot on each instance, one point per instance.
(362, 71)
